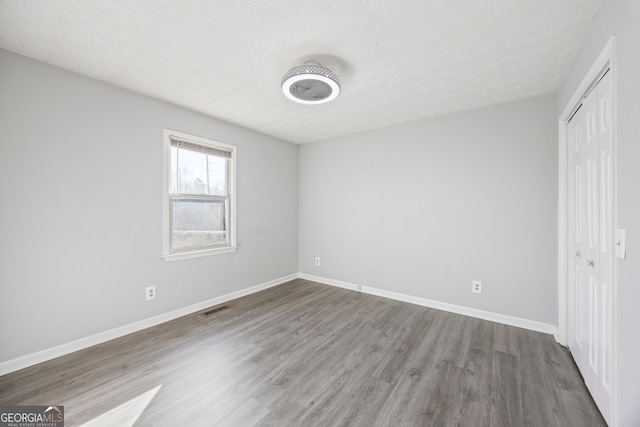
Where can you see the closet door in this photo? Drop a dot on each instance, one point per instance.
(591, 242)
(576, 134)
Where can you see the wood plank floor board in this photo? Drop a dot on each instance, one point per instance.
(506, 398)
(405, 401)
(401, 348)
(306, 354)
(506, 339)
(476, 380)
(538, 392)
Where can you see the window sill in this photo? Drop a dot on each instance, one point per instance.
(197, 254)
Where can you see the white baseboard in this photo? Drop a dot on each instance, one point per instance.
(458, 309)
(325, 281)
(82, 343)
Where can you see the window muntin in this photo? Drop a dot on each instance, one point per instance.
(200, 191)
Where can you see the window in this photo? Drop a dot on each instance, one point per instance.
(200, 196)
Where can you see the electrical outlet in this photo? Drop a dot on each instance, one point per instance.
(150, 292)
(317, 260)
(476, 287)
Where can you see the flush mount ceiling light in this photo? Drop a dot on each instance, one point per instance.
(310, 84)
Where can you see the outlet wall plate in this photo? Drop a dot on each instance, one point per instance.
(317, 260)
(150, 292)
(476, 287)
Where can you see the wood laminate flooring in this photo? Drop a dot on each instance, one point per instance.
(306, 354)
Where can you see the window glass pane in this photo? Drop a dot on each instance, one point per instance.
(198, 222)
(218, 176)
(192, 172)
(198, 173)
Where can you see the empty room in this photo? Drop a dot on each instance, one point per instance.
(331, 213)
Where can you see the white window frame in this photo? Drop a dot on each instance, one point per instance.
(231, 246)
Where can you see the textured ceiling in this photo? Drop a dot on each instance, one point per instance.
(397, 60)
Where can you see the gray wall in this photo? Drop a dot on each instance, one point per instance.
(622, 18)
(81, 222)
(423, 208)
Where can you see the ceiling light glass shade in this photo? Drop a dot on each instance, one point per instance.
(310, 84)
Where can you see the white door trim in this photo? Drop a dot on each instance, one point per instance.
(606, 59)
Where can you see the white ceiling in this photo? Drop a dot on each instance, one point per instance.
(397, 60)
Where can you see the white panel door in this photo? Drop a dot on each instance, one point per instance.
(576, 133)
(600, 352)
(591, 242)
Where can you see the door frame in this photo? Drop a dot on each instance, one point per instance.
(606, 59)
